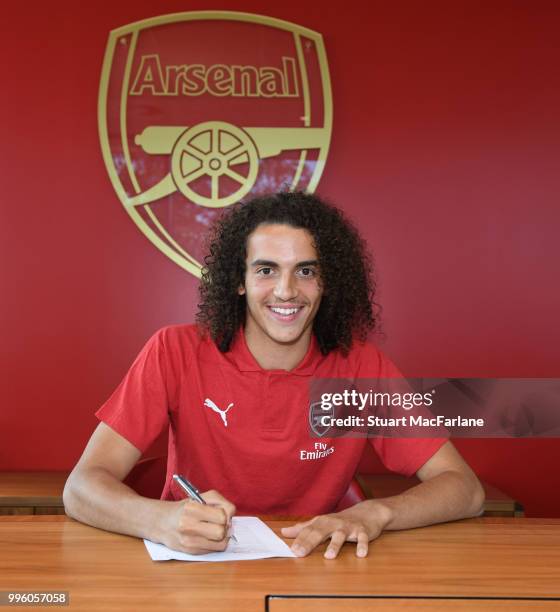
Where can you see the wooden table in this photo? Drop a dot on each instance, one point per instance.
(486, 558)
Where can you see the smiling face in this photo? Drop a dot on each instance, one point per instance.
(282, 289)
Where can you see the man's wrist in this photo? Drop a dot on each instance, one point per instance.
(157, 517)
(375, 515)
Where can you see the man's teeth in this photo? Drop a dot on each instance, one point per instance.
(285, 311)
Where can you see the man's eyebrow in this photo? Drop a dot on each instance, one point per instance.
(273, 264)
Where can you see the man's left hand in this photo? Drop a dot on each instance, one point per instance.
(361, 524)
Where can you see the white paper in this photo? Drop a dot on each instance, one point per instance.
(254, 541)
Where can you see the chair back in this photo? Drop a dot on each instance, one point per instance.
(353, 495)
(147, 477)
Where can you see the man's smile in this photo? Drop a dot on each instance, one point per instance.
(285, 312)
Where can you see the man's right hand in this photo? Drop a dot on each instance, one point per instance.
(195, 528)
(95, 494)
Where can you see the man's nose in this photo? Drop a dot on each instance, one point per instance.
(286, 287)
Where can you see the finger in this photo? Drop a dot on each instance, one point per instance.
(216, 499)
(198, 545)
(293, 530)
(204, 512)
(209, 531)
(310, 537)
(363, 544)
(337, 540)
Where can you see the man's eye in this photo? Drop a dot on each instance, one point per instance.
(264, 271)
(307, 272)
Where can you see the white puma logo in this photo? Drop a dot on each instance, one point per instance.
(210, 404)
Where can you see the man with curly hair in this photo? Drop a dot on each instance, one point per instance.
(286, 297)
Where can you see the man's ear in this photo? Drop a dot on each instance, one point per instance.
(241, 290)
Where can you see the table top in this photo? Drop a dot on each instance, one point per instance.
(488, 557)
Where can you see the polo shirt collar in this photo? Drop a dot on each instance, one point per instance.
(245, 361)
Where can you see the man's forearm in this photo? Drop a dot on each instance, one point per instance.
(97, 498)
(447, 497)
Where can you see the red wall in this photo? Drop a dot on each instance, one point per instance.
(445, 151)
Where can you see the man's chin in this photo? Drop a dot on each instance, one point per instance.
(288, 337)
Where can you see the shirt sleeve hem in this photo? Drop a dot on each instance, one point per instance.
(113, 424)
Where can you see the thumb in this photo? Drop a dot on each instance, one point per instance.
(293, 530)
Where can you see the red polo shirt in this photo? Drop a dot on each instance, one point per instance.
(244, 431)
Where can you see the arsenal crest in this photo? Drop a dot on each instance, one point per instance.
(318, 416)
(200, 110)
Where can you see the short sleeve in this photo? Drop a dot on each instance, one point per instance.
(138, 409)
(404, 455)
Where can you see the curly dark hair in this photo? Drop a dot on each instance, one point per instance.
(347, 310)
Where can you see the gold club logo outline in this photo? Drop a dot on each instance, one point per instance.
(210, 148)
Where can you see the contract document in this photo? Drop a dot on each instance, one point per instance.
(254, 541)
